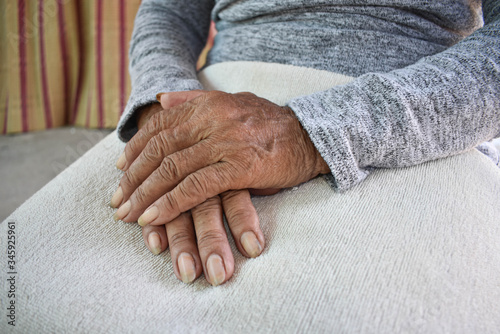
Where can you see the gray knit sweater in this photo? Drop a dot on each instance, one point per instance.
(427, 73)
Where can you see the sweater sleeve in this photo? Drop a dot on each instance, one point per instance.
(442, 105)
(167, 39)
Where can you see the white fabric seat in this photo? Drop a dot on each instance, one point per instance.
(408, 250)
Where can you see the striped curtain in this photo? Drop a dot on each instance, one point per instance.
(64, 62)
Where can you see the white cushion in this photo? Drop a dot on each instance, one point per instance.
(408, 250)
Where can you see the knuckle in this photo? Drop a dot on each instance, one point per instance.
(170, 204)
(215, 148)
(163, 141)
(216, 97)
(154, 149)
(240, 216)
(208, 209)
(180, 238)
(245, 94)
(141, 196)
(154, 123)
(178, 133)
(246, 156)
(230, 196)
(131, 147)
(215, 93)
(240, 171)
(195, 184)
(129, 181)
(211, 237)
(213, 202)
(169, 169)
(228, 176)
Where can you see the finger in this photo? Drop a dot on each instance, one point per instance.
(172, 99)
(163, 120)
(193, 190)
(158, 147)
(168, 101)
(213, 246)
(183, 249)
(173, 169)
(264, 192)
(155, 238)
(142, 116)
(243, 222)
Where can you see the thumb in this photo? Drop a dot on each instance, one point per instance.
(172, 99)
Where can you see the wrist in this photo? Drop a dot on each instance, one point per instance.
(321, 165)
(318, 164)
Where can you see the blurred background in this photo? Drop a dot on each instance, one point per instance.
(64, 84)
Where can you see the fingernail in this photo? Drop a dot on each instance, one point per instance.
(117, 198)
(122, 160)
(147, 217)
(154, 242)
(215, 268)
(251, 244)
(123, 211)
(186, 267)
(158, 97)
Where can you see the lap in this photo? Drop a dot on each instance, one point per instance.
(414, 249)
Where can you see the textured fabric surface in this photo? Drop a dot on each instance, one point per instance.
(491, 151)
(409, 250)
(64, 62)
(427, 86)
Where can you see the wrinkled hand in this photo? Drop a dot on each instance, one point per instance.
(197, 239)
(212, 144)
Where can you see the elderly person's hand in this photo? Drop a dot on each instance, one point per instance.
(211, 144)
(212, 253)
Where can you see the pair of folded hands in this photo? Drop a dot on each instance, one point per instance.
(196, 157)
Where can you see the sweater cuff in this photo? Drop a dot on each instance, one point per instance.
(331, 139)
(127, 126)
